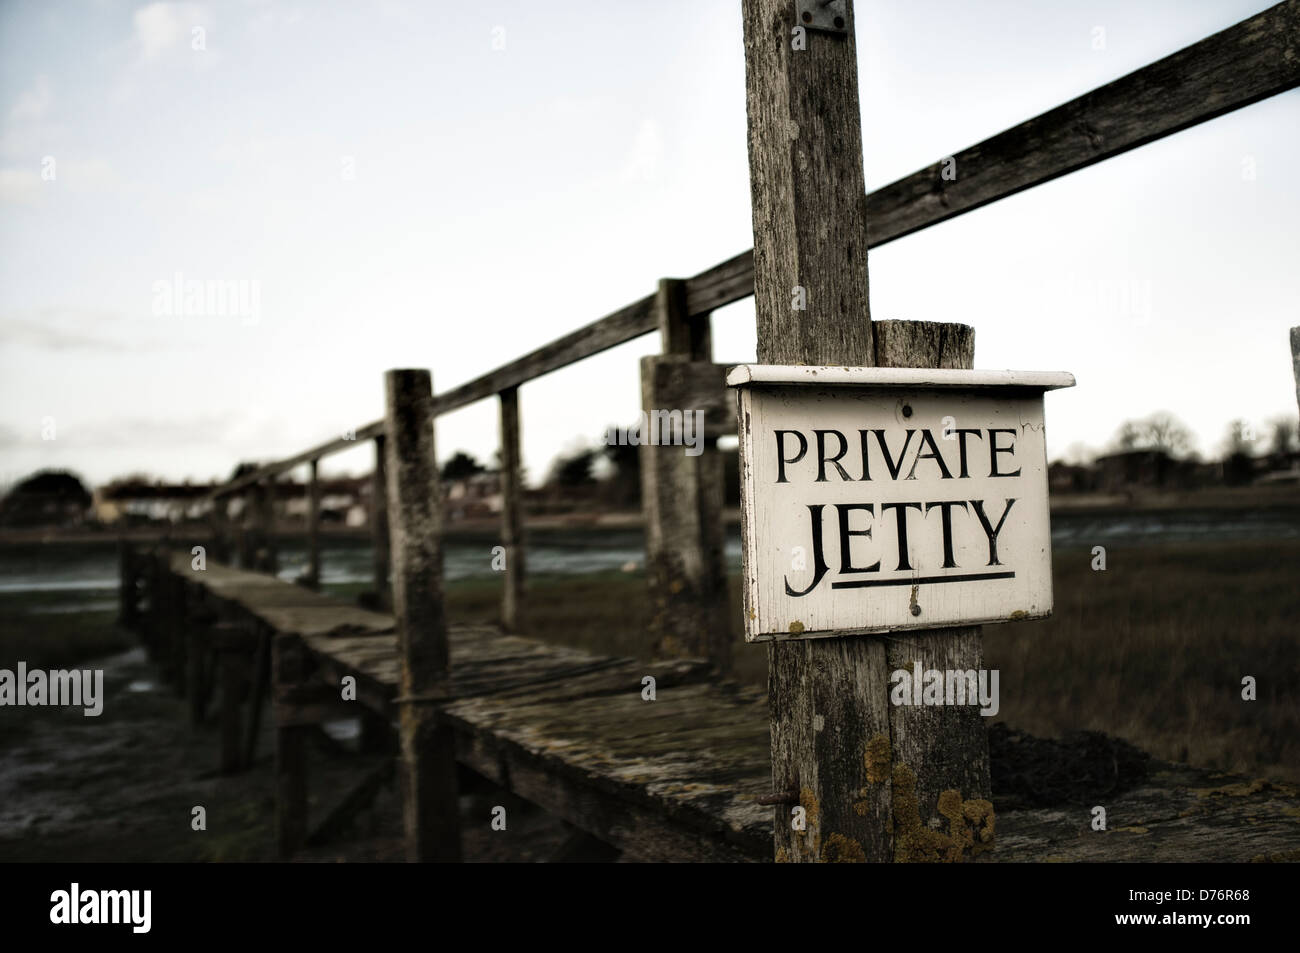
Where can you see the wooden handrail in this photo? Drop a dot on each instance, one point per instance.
(1249, 61)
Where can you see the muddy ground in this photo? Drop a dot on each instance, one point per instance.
(123, 787)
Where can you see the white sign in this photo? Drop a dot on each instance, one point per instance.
(879, 499)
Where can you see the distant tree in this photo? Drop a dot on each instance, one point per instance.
(45, 497)
(1129, 435)
(1238, 462)
(625, 472)
(1240, 440)
(460, 466)
(574, 469)
(1161, 431)
(1164, 431)
(1286, 434)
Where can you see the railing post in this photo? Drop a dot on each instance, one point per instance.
(128, 590)
(245, 542)
(415, 515)
(682, 496)
(288, 674)
(379, 529)
(313, 526)
(868, 772)
(219, 545)
(1295, 361)
(264, 554)
(512, 527)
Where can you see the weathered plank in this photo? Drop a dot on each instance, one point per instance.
(1249, 61)
(623, 325)
(272, 470)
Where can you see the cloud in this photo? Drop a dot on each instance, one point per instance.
(34, 103)
(646, 154)
(159, 27)
(53, 329)
(162, 29)
(83, 176)
(19, 187)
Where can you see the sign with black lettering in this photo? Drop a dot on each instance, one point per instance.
(880, 499)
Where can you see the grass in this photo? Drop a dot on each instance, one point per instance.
(60, 639)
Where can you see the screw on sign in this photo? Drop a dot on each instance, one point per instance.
(909, 522)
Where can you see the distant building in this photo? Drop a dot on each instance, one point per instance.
(476, 496)
(140, 502)
(1133, 468)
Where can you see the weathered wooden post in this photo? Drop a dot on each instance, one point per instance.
(415, 525)
(245, 534)
(836, 742)
(128, 591)
(512, 523)
(313, 526)
(219, 541)
(1295, 362)
(289, 673)
(232, 645)
(264, 554)
(379, 529)
(682, 487)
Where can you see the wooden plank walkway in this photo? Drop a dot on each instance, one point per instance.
(676, 778)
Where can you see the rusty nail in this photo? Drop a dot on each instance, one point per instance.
(788, 797)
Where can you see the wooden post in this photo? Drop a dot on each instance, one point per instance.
(1295, 362)
(264, 556)
(512, 524)
(128, 593)
(678, 333)
(218, 543)
(682, 494)
(868, 774)
(246, 542)
(291, 735)
(232, 644)
(415, 516)
(379, 529)
(313, 526)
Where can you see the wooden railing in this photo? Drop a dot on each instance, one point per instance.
(1236, 67)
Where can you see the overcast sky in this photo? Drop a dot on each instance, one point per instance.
(398, 191)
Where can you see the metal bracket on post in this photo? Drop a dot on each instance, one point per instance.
(828, 15)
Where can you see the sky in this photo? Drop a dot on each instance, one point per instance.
(438, 185)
